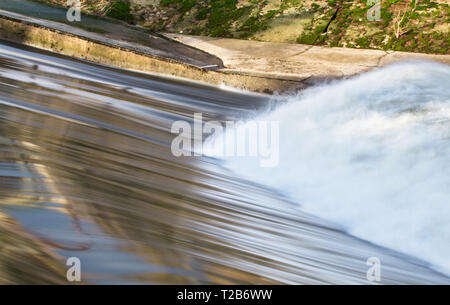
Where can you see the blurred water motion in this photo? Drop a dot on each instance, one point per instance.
(86, 171)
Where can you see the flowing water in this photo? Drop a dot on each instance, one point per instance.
(378, 151)
(86, 170)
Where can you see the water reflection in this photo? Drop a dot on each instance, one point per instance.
(86, 171)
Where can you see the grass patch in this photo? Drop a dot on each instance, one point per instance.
(120, 10)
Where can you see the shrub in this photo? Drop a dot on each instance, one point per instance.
(120, 10)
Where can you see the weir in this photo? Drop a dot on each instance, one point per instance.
(103, 137)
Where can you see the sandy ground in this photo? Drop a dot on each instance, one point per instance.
(297, 61)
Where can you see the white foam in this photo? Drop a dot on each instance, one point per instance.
(371, 153)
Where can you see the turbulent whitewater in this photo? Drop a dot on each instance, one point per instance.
(372, 154)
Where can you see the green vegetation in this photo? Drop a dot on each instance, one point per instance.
(119, 10)
(405, 25)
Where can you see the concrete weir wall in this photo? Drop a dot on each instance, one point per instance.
(68, 44)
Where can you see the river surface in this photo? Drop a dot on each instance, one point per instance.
(86, 171)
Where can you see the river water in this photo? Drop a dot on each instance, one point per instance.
(86, 171)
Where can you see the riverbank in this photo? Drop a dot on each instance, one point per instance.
(397, 25)
(249, 65)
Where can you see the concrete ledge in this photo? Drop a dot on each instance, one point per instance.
(296, 61)
(43, 37)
